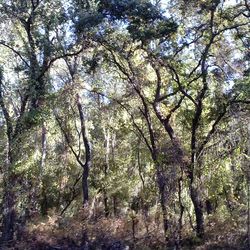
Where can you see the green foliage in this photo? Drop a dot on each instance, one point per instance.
(165, 106)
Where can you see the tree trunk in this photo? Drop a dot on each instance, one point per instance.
(198, 208)
(209, 207)
(9, 214)
(161, 185)
(44, 202)
(134, 223)
(105, 200)
(114, 205)
(85, 186)
(87, 163)
(182, 161)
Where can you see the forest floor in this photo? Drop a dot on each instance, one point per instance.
(61, 233)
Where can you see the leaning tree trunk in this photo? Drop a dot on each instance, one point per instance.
(87, 164)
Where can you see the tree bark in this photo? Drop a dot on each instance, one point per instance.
(87, 164)
(198, 208)
(105, 200)
(162, 185)
(9, 214)
(115, 205)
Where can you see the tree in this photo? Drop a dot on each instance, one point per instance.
(35, 58)
(149, 98)
(182, 84)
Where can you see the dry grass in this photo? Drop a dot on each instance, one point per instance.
(57, 232)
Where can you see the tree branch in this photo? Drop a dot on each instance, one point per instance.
(15, 51)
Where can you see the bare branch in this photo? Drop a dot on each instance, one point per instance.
(15, 51)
